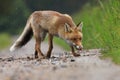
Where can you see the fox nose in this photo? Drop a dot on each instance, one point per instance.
(79, 47)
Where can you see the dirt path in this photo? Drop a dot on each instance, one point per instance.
(62, 66)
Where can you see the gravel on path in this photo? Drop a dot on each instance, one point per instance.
(20, 65)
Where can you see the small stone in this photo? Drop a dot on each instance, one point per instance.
(10, 59)
(72, 60)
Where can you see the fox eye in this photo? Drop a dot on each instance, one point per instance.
(73, 39)
(80, 38)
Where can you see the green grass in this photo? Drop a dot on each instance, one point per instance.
(61, 43)
(114, 55)
(102, 27)
(5, 40)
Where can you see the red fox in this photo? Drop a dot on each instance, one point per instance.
(52, 23)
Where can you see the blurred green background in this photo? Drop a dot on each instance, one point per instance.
(101, 20)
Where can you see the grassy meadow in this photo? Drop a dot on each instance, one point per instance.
(102, 27)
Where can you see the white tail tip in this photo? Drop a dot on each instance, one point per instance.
(12, 48)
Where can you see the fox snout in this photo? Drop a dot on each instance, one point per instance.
(78, 47)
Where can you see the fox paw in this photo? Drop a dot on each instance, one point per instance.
(40, 57)
(76, 55)
(47, 57)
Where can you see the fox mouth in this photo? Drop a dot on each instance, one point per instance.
(78, 47)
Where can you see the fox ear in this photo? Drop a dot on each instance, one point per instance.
(67, 28)
(79, 26)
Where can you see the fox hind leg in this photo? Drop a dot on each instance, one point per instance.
(38, 52)
(41, 38)
(36, 31)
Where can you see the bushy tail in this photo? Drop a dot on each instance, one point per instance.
(24, 37)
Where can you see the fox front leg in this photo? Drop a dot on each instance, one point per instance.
(50, 40)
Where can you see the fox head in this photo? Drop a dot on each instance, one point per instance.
(73, 35)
